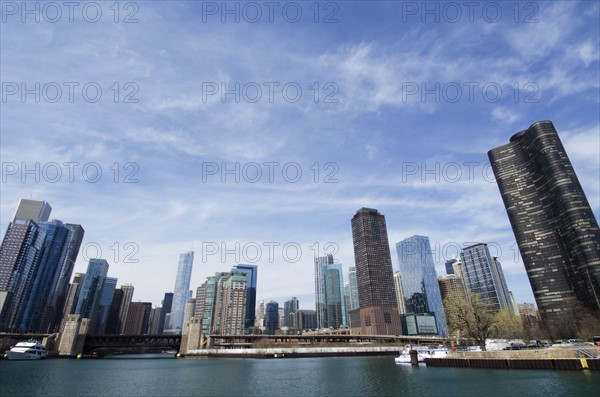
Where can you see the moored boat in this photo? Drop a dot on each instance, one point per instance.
(422, 355)
(30, 350)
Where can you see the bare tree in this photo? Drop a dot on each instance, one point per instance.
(471, 317)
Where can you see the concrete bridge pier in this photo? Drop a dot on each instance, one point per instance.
(73, 335)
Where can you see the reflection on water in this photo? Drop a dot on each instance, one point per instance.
(136, 375)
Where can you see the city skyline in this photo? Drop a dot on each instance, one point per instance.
(418, 158)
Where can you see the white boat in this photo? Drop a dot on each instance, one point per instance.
(30, 350)
(422, 355)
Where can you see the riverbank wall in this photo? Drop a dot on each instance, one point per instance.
(293, 352)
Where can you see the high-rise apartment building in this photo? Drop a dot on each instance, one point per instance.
(419, 280)
(271, 317)
(329, 292)
(91, 289)
(100, 323)
(181, 293)
(251, 272)
(127, 290)
(378, 309)
(353, 288)
(289, 309)
(36, 262)
(452, 285)
(138, 318)
(483, 275)
(164, 310)
(553, 223)
(221, 303)
(399, 293)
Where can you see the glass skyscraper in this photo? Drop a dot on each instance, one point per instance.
(181, 294)
(419, 280)
(483, 275)
(329, 292)
(271, 317)
(553, 223)
(36, 262)
(91, 289)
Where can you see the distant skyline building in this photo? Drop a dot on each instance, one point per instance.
(100, 323)
(260, 314)
(483, 275)
(138, 318)
(399, 293)
(329, 291)
(251, 275)
(271, 317)
(91, 289)
(452, 285)
(419, 280)
(229, 316)
(167, 302)
(289, 308)
(553, 223)
(124, 306)
(378, 308)
(181, 293)
(353, 288)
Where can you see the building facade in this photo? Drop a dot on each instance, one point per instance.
(419, 280)
(251, 272)
(91, 289)
(378, 309)
(553, 223)
(181, 293)
(483, 276)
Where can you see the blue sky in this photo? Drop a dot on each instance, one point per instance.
(395, 104)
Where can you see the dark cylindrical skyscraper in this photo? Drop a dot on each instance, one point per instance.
(378, 308)
(555, 228)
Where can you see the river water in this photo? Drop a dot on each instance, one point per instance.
(157, 375)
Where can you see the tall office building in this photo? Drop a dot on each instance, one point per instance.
(138, 318)
(452, 285)
(73, 294)
(329, 293)
(271, 317)
(399, 293)
(251, 272)
(353, 288)
(58, 296)
(378, 309)
(20, 253)
(260, 315)
(419, 280)
(229, 317)
(289, 312)
(483, 275)
(124, 306)
(181, 293)
(112, 324)
(100, 322)
(165, 309)
(221, 303)
(555, 228)
(91, 290)
(36, 262)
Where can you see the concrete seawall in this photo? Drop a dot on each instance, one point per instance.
(289, 352)
(517, 363)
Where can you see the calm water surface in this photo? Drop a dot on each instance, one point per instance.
(336, 376)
